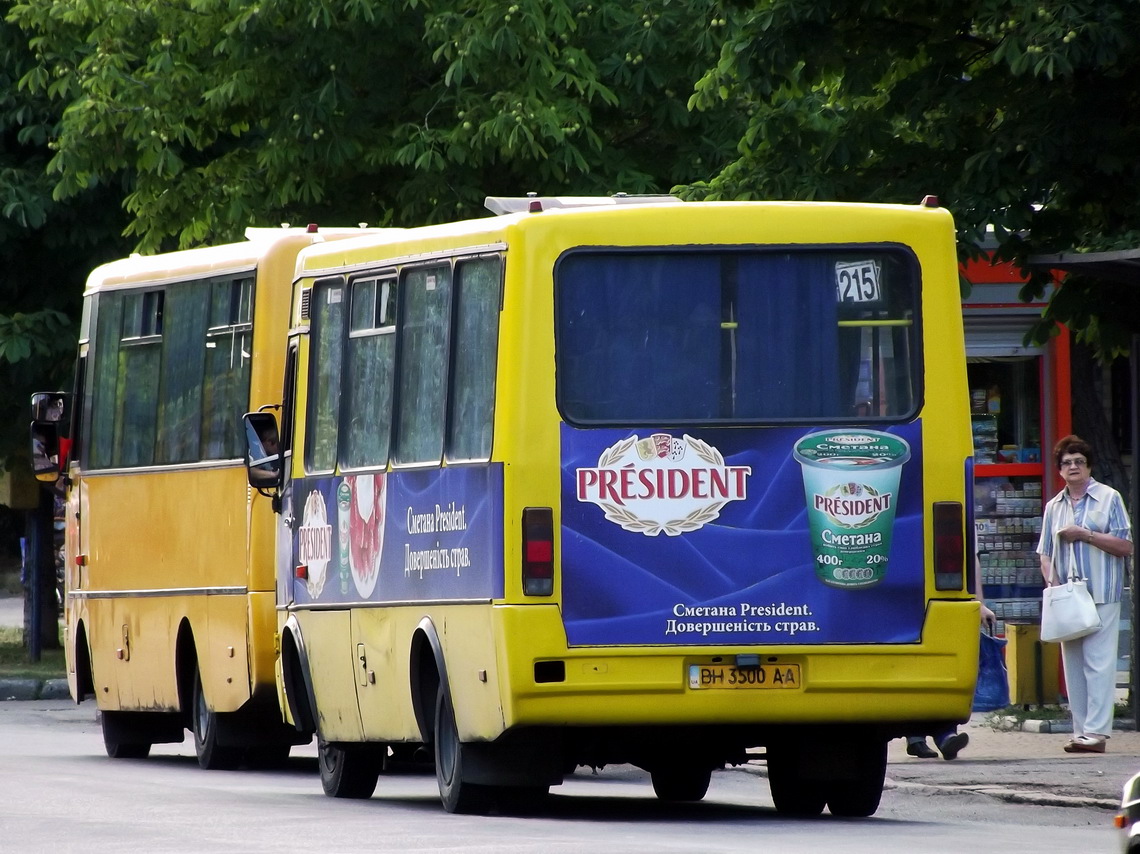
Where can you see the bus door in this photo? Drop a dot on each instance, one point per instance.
(286, 521)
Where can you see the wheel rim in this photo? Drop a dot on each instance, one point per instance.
(329, 757)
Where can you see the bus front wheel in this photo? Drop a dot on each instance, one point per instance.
(457, 796)
(349, 770)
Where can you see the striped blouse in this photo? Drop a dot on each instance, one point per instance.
(1101, 509)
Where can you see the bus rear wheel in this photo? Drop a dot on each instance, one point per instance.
(680, 782)
(349, 770)
(859, 796)
(457, 795)
(792, 792)
(119, 738)
(206, 723)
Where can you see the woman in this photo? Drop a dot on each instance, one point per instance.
(1086, 526)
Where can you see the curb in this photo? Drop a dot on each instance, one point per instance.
(1011, 724)
(34, 689)
(1002, 793)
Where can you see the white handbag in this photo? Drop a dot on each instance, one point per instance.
(1067, 610)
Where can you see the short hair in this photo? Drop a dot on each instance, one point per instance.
(1073, 445)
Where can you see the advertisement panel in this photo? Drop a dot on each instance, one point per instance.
(400, 537)
(774, 535)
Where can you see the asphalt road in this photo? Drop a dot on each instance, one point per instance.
(63, 794)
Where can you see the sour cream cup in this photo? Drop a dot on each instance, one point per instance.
(851, 482)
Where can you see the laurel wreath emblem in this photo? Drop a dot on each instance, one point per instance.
(691, 522)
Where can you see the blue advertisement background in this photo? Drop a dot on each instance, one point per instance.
(476, 489)
(621, 587)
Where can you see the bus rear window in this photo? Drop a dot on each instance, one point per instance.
(732, 336)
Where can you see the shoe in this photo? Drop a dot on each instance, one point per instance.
(952, 744)
(920, 749)
(1085, 744)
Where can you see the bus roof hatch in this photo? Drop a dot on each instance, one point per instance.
(522, 204)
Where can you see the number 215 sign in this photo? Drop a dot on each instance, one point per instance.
(857, 281)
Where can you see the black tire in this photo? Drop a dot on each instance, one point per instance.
(457, 796)
(791, 793)
(117, 738)
(859, 797)
(206, 724)
(349, 770)
(681, 782)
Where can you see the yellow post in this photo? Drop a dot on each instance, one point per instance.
(1034, 667)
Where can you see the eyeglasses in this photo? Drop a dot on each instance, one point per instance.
(1080, 462)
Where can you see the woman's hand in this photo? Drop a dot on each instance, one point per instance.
(989, 618)
(1074, 534)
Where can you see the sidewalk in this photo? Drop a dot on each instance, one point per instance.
(1017, 767)
(1025, 767)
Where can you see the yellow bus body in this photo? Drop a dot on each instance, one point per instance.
(364, 656)
(169, 562)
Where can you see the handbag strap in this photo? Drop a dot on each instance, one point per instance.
(1074, 573)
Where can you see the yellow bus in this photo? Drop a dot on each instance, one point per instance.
(627, 480)
(169, 605)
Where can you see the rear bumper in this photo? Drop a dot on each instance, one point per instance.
(883, 685)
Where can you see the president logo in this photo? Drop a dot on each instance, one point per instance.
(662, 484)
(314, 543)
(852, 505)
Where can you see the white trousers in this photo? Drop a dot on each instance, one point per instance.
(1090, 674)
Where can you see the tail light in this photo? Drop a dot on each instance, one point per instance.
(538, 551)
(949, 546)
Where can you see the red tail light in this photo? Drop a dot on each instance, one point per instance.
(949, 546)
(538, 551)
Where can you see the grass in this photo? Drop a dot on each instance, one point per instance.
(10, 583)
(14, 663)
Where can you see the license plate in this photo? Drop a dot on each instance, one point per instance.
(729, 677)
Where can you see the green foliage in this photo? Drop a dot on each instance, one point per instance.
(218, 115)
(200, 117)
(24, 336)
(1020, 116)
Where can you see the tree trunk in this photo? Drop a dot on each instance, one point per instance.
(1091, 423)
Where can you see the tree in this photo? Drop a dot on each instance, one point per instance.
(218, 115)
(1020, 116)
(46, 249)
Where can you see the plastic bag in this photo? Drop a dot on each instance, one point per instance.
(992, 691)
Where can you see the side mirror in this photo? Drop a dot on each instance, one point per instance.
(45, 451)
(48, 410)
(49, 406)
(263, 456)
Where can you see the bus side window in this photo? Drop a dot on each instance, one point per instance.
(474, 355)
(183, 368)
(326, 353)
(425, 328)
(371, 372)
(228, 351)
(136, 392)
